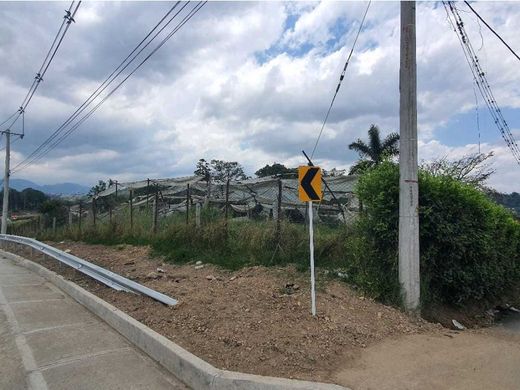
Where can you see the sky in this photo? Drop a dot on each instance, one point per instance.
(251, 82)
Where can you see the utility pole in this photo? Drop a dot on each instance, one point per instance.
(409, 275)
(5, 205)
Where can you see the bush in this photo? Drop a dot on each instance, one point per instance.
(469, 245)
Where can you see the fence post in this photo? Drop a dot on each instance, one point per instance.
(279, 210)
(147, 191)
(155, 211)
(94, 211)
(80, 215)
(227, 207)
(227, 199)
(131, 201)
(208, 193)
(188, 204)
(197, 214)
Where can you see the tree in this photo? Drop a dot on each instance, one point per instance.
(203, 169)
(220, 170)
(98, 188)
(376, 151)
(276, 169)
(472, 169)
(54, 208)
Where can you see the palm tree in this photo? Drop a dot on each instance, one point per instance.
(376, 151)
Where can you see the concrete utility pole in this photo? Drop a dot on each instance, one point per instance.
(5, 206)
(409, 276)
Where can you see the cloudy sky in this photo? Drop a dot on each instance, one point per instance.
(250, 82)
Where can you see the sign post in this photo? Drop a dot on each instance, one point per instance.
(309, 190)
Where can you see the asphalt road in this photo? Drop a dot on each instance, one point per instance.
(48, 341)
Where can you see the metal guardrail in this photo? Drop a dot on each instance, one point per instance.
(109, 278)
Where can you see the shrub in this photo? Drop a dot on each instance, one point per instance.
(469, 245)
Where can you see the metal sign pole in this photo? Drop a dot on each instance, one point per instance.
(311, 246)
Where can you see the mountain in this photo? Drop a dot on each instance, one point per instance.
(51, 189)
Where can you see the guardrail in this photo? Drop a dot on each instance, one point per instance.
(108, 278)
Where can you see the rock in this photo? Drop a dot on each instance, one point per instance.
(458, 325)
(514, 309)
(198, 262)
(62, 242)
(232, 278)
(199, 266)
(129, 263)
(379, 314)
(67, 251)
(152, 275)
(162, 271)
(210, 277)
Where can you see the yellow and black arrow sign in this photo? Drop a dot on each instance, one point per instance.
(309, 184)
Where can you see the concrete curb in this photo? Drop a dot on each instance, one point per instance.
(193, 371)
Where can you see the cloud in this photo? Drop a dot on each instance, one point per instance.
(249, 82)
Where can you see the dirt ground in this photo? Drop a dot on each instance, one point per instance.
(477, 360)
(255, 320)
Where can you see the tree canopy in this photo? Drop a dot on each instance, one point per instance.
(276, 169)
(220, 170)
(376, 151)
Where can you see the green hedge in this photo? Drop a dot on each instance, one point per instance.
(469, 245)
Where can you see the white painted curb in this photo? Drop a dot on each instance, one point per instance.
(193, 371)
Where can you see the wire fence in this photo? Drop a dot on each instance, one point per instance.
(264, 198)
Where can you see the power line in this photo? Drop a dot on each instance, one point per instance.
(108, 80)
(58, 39)
(492, 30)
(480, 79)
(341, 77)
(28, 161)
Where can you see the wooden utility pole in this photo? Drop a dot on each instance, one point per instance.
(409, 276)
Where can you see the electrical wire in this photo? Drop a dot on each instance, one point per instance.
(51, 53)
(108, 80)
(341, 77)
(480, 79)
(27, 162)
(492, 30)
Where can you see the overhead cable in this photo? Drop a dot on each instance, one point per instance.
(341, 77)
(59, 137)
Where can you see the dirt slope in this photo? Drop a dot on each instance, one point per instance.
(254, 320)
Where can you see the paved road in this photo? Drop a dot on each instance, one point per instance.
(48, 341)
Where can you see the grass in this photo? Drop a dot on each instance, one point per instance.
(233, 245)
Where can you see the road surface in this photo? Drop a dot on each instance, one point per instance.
(48, 341)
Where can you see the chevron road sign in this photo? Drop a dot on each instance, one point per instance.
(309, 190)
(309, 184)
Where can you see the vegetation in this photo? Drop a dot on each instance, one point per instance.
(376, 151)
(277, 169)
(28, 199)
(232, 245)
(473, 169)
(220, 170)
(511, 201)
(98, 188)
(470, 247)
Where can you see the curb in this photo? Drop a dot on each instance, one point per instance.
(190, 369)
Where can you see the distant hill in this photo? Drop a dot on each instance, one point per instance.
(51, 189)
